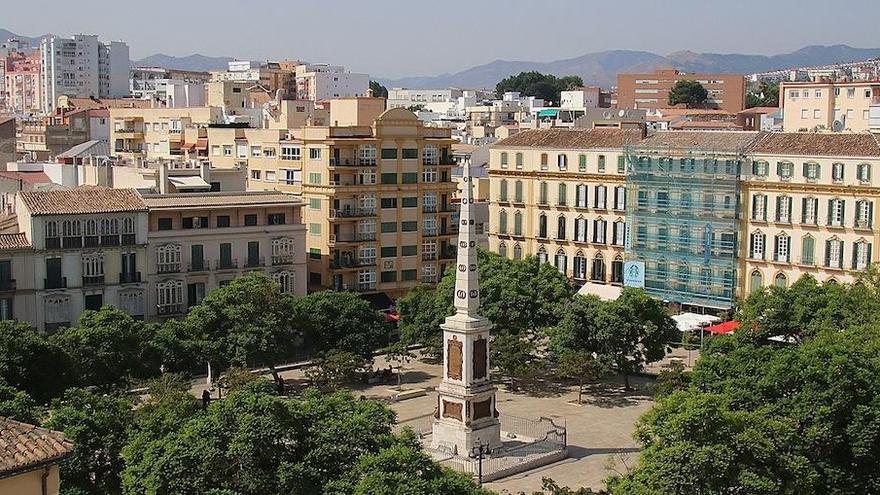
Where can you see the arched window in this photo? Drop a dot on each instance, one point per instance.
(286, 279)
(599, 231)
(542, 226)
(781, 280)
(502, 250)
(518, 191)
(52, 228)
(808, 250)
(168, 258)
(169, 296)
(757, 281)
(617, 270)
(517, 223)
(502, 222)
(542, 255)
(517, 251)
(598, 268)
(580, 229)
(684, 239)
(581, 196)
(861, 254)
(502, 190)
(580, 266)
(600, 198)
(563, 190)
(662, 270)
(560, 228)
(561, 261)
(543, 194)
(71, 228)
(684, 276)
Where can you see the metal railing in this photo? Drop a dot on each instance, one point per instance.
(230, 264)
(282, 259)
(55, 283)
(129, 277)
(169, 309)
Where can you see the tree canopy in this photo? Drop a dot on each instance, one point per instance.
(379, 91)
(766, 95)
(689, 92)
(533, 83)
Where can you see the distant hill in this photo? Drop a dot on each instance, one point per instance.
(601, 68)
(195, 62)
(34, 41)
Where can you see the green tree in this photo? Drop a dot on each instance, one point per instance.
(422, 310)
(551, 487)
(399, 355)
(18, 405)
(379, 91)
(341, 321)
(31, 363)
(533, 83)
(767, 95)
(581, 366)
(246, 323)
(98, 427)
(335, 368)
(515, 357)
(108, 349)
(671, 379)
(691, 93)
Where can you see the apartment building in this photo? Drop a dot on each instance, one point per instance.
(650, 91)
(138, 134)
(808, 208)
(270, 75)
(77, 249)
(168, 87)
(560, 195)
(82, 66)
(21, 88)
(380, 212)
(199, 242)
(830, 105)
(441, 101)
(322, 82)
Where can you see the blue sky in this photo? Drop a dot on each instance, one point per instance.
(393, 38)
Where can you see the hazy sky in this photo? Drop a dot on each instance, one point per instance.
(394, 38)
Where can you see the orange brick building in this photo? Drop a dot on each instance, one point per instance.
(651, 91)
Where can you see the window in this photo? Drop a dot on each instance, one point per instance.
(543, 194)
(168, 258)
(783, 209)
(409, 250)
(388, 251)
(864, 214)
(784, 170)
(836, 210)
(502, 250)
(195, 222)
(518, 192)
(269, 152)
(834, 253)
(621, 164)
(600, 198)
(861, 255)
(291, 152)
(275, 219)
(760, 168)
(561, 198)
(561, 261)
(164, 224)
(169, 296)
(367, 177)
(314, 253)
(517, 252)
(215, 150)
(429, 175)
(389, 276)
(542, 226)
(601, 164)
(560, 228)
(562, 161)
(580, 229)
(387, 203)
(580, 266)
(808, 247)
(517, 223)
(314, 153)
(817, 113)
(315, 204)
(620, 198)
(410, 178)
(315, 228)
(811, 171)
(410, 202)
(782, 248)
(519, 161)
(759, 207)
(619, 233)
(410, 226)
(503, 159)
(255, 174)
(850, 92)
(757, 243)
(599, 230)
(837, 172)
(410, 153)
(543, 161)
(227, 150)
(285, 279)
(582, 163)
(407, 275)
(250, 220)
(809, 211)
(864, 172)
(502, 190)
(389, 178)
(757, 281)
(502, 222)
(389, 153)
(388, 227)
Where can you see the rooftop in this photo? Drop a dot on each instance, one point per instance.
(721, 141)
(817, 144)
(14, 241)
(24, 447)
(82, 200)
(577, 139)
(220, 199)
(27, 177)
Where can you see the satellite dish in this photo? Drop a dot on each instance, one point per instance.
(621, 113)
(837, 126)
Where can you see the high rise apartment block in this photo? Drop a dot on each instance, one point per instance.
(82, 66)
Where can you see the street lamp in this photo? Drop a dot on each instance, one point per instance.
(479, 452)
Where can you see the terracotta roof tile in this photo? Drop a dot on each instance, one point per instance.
(571, 138)
(721, 141)
(82, 200)
(817, 144)
(14, 241)
(25, 447)
(207, 200)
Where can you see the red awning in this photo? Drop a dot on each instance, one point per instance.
(188, 146)
(723, 328)
(392, 317)
(202, 143)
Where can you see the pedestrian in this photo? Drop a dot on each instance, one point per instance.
(280, 385)
(206, 400)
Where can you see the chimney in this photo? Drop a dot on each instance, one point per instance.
(163, 178)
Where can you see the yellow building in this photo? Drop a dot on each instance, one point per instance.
(810, 106)
(137, 134)
(378, 195)
(560, 194)
(808, 208)
(29, 458)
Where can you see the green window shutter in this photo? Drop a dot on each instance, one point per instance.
(389, 153)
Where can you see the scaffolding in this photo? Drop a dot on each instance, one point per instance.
(682, 222)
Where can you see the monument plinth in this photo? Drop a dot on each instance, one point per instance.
(466, 416)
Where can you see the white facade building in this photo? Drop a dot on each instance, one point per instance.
(322, 82)
(82, 67)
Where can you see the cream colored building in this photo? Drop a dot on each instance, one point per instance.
(808, 208)
(30, 458)
(138, 134)
(560, 194)
(199, 242)
(810, 106)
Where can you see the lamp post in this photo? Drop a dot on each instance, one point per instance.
(479, 452)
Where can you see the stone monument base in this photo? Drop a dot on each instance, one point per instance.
(451, 437)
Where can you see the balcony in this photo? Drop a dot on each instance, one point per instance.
(365, 287)
(283, 259)
(198, 266)
(341, 264)
(342, 162)
(256, 262)
(230, 264)
(358, 237)
(169, 309)
(129, 134)
(449, 254)
(429, 256)
(130, 277)
(352, 212)
(429, 208)
(168, 268)
(55, 283)
(93, 280)
(72, 242)
(429, 279)
(449, 208)
(7, 285)
(429, 233)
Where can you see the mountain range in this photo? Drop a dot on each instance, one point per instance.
(599, 68)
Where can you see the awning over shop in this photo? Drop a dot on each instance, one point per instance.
(723, 328)
(189, 182)
(548, 112)
(603, 291)
(692, 322)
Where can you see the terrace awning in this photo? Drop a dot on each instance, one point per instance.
(723, 328)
